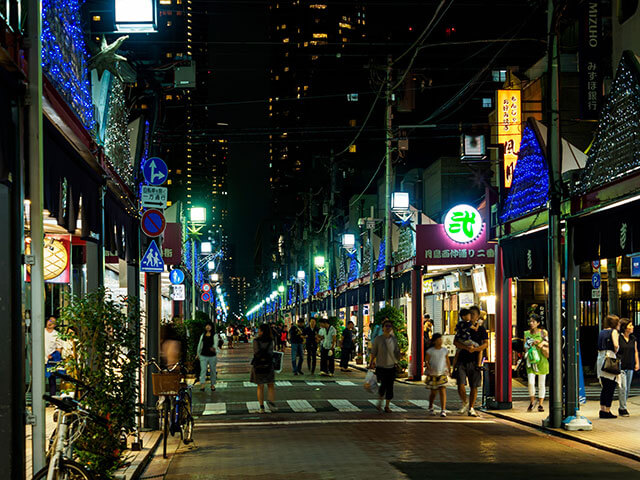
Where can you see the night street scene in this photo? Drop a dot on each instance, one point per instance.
(319, 239)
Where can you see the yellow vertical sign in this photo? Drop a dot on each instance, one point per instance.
(509, 130)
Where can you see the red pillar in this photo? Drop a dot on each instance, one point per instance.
(417, 347)
(503, 335)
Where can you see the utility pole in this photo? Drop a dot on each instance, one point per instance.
(193, 279)
(388, 185)
(332, 248)
(555, 270)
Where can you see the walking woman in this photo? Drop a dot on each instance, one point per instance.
(536, 344)
(207, 352)
(628, 354)
(608, 343)
(385, 354)
(262, 370)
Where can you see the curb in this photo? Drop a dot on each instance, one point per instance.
(142, 465)
(567, 436)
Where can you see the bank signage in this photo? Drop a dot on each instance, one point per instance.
(435, 247)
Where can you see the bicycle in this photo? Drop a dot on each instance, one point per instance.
(71, 420)
(174, 395)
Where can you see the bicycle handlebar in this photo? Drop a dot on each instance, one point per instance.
(70, 405)
(75, 381)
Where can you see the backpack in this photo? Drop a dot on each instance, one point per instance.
(262, 360)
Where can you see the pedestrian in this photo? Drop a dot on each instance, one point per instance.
(428, 332)
(283, 338)
(262, 371)
(608, 344)
(208, 355)
(296, 340)
(236, 335)
(628, 354)
(467, 367)
(53, 352)
(384, 357)
(310, 335)
(230, 336)
(327, 340)
(536, 347)
(346, 347)
(438, 369)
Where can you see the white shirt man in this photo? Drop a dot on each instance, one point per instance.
(327, 334)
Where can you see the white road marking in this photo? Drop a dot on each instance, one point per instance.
(215, 409)
(350, 420)
(221, 385)
(315, 384)
(346, 383)
(248, 384)
(421, 403)
(343, 405)
(284, 383)
(300, 406)
(254, 407)
(394, 408)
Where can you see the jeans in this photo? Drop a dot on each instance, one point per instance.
(53, 387)
(624, 388)
(211, 362)
(345, 356)
(296, 354)
(327, 363)
(606, 395)
(311, 357)
(386, 377)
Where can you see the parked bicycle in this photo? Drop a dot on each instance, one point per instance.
(71, 420)
(174, 404)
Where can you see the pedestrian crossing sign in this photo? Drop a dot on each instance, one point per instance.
(152, 260)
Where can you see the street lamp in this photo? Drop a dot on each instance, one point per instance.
(198, 214)
(215, 277)
(301, 275)
(211, 265)
(319, 261)
(348, 241)
(281, 288)
(136, 16)
(198, 217)
(206, 247)
(400, 205)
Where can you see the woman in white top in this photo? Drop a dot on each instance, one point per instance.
(385, 354)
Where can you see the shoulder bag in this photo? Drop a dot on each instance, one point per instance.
(611, 365)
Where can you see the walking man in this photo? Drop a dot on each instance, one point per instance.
(327, 339)
(295, 338)
(310, 334)
(467, 366)
(346, 347)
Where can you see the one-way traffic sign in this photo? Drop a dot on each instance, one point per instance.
(152, 260)
(153, 197)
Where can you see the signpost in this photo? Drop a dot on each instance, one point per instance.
(155, 171)
(463, 224)
(153, 197)
(153, 223)
(152, 260)
(176, 277)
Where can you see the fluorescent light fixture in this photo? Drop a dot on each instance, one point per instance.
(136, 16)
(211, 265)
(198, 215)
(206, 247)
(400, 201)
(274, 275)
(215, 277)
(319, 261)
(348, 241)
(301, 275)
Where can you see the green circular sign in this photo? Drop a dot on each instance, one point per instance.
(463, 224)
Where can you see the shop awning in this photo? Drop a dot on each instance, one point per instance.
(352, 297)
(526, 256)
(341, 300)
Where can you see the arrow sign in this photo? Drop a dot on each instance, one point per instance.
(206, 287)
(153, 197)
(155, 171)
(176, 276)
(206, 297)
(152, 260)
(153, 223)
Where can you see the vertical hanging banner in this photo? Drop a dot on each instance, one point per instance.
(509, 130)
(590, 64)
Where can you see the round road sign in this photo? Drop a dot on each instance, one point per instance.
(176, 276)
(153, 223)
(206, 297)
(155, 171)
(206, 287)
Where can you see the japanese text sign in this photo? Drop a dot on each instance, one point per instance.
(509, 130)
(434, 247)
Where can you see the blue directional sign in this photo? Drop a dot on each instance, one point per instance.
(155, 171)
(176, 276)
(152, 260)
(595, 280)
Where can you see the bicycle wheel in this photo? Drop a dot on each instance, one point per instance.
(165, 428)
(186, 420)
(68, 470)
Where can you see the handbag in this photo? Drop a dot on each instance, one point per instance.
(370, 381)
(611, 365)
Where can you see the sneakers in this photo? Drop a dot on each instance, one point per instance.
(607, 415)
(300, 373)
(623, 412)
(443, 413)
(530, 409)
(431, 412)
(472, 412)
(331, 374)
(464, 410)
(261, 409)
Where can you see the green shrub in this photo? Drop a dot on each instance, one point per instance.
(105, 355)
(399, 328)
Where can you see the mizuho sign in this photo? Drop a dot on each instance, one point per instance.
(463, 224)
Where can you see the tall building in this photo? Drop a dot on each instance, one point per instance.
(238, 295)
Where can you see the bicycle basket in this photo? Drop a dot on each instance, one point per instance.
(166, 383)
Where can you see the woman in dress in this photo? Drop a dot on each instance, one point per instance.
(536, 344)
(628, 354)
(262, 369)
(608, 343)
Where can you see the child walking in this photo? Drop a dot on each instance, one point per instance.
(438, 368)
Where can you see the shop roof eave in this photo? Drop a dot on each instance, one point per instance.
(531, 221)
(617, 191)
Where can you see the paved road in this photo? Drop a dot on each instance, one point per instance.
(328, 428)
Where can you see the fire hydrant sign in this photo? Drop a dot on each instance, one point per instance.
(153, 197)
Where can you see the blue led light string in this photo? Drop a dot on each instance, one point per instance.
(353, 267)
(530, 188)
(381, 257)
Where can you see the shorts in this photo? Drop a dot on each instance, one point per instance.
(468, 371)
(435, 382)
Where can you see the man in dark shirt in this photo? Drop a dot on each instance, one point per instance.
(295, 338)
(471, 339)
(310, 333)
(346, 348)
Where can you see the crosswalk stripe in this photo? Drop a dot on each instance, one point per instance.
(345, 382)
(300, 406)
(424, 404)
(221, 385)
(284, 383)
(248, 384)
(394, 408)
(254, 407)
(343, 405)
(314, 384)
(215, 409)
